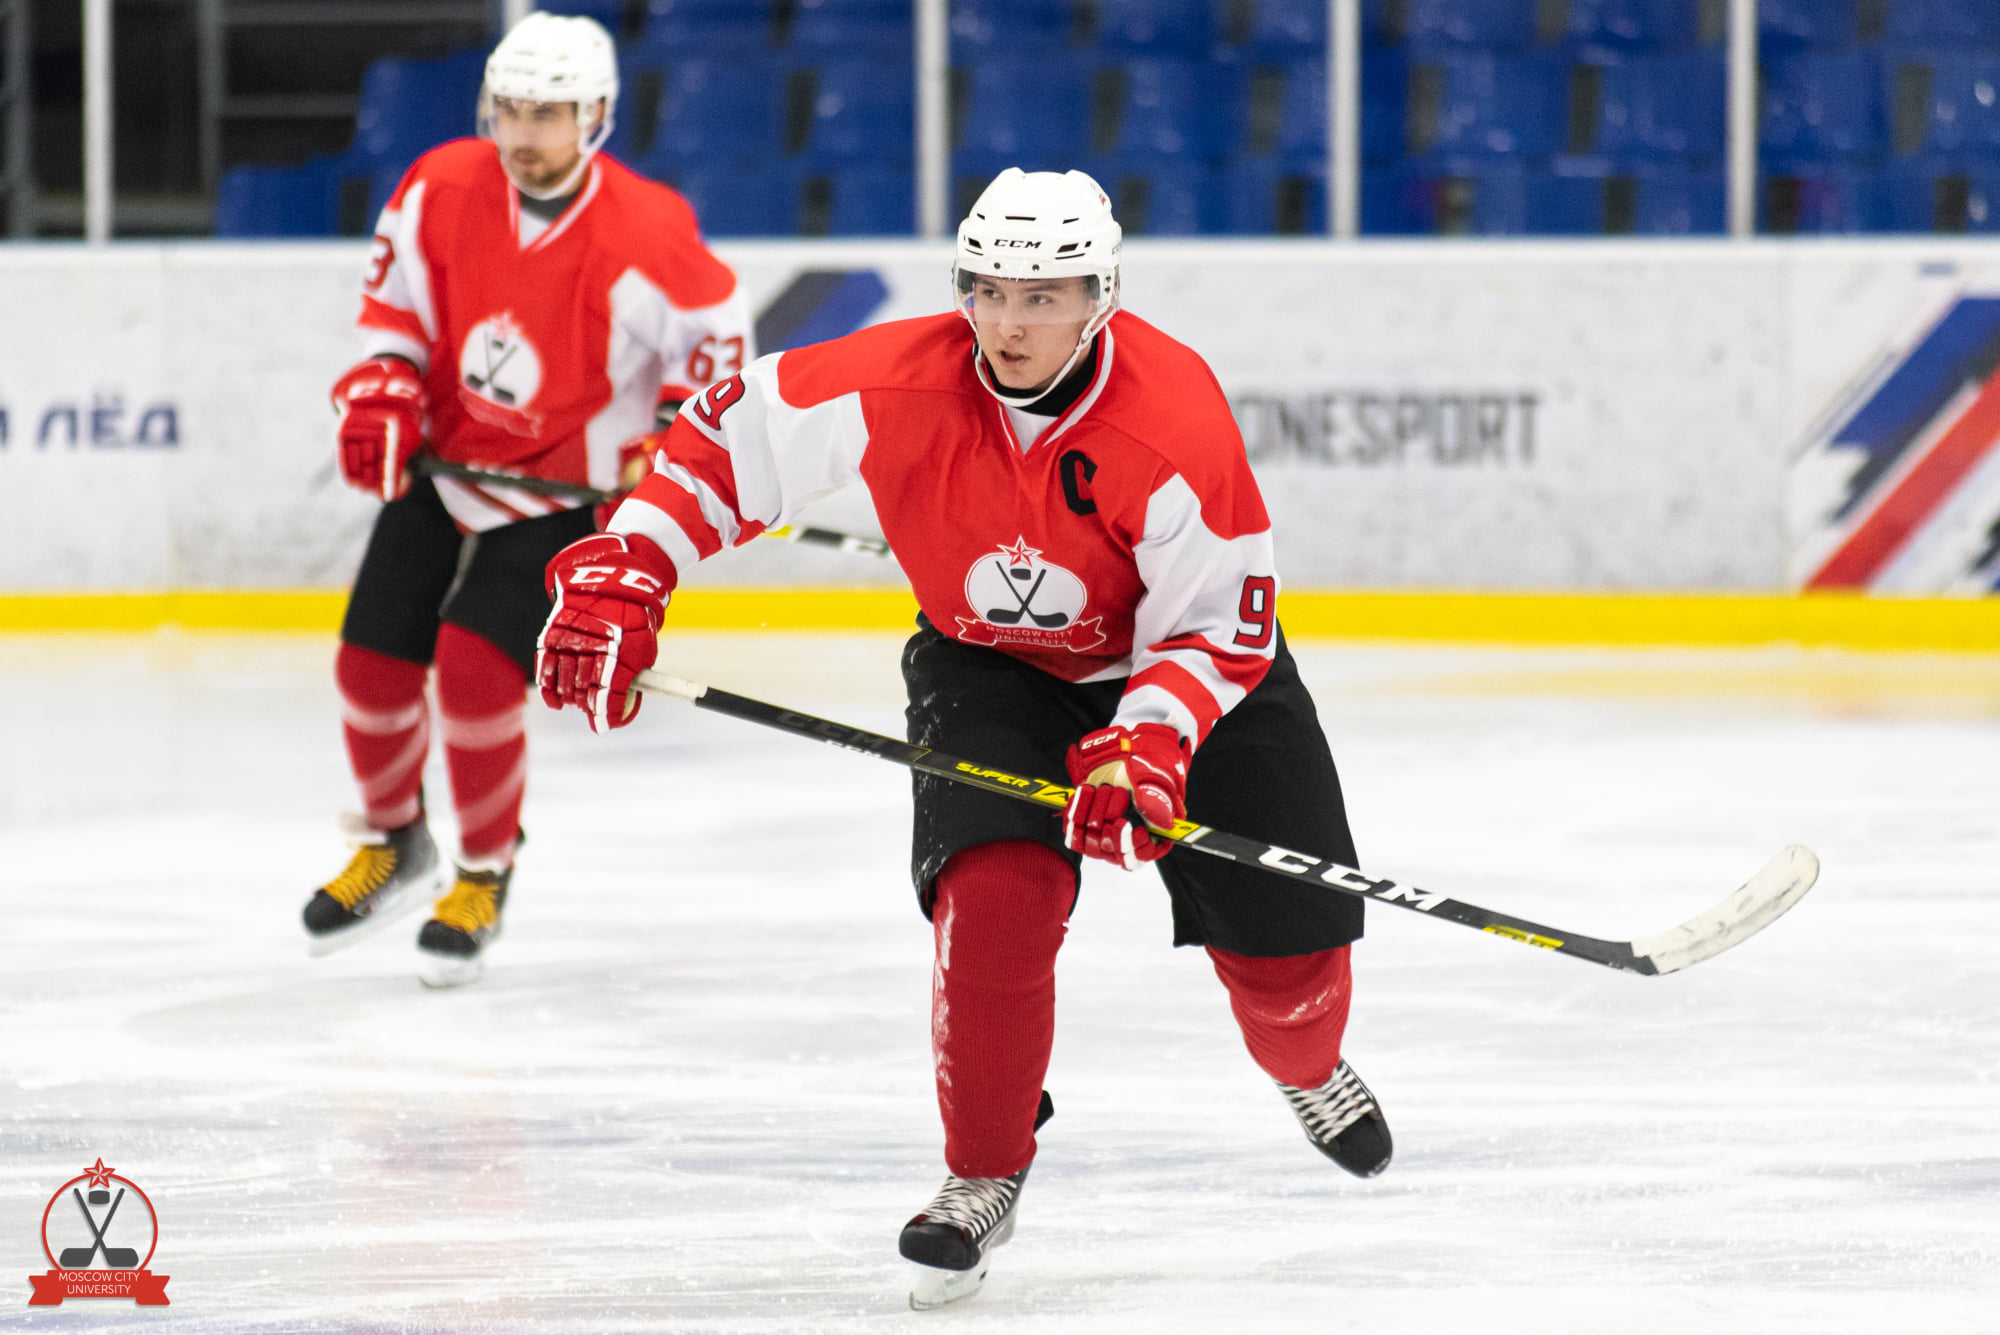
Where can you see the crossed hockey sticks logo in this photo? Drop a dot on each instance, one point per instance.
(76, 1273)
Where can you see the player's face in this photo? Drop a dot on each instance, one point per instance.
(539, 143)
(1028, 327)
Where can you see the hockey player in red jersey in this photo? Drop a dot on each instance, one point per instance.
(531, 305)
(1068, 492)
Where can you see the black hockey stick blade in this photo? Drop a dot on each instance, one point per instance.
(429, 465)
(1782, 882)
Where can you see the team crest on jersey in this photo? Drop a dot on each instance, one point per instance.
(1018, 598)
(499, 374)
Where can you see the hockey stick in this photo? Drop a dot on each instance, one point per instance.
(431, 466)
(1781, 884)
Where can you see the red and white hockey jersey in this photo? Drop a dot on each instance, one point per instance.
(1128, 540)
(545, 346)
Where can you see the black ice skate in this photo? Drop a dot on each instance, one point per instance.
(952, 1240)
(463, 923)
(1343, 1121)
(392, 872)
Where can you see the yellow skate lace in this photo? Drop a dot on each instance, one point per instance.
(370, 870)
(469, 904)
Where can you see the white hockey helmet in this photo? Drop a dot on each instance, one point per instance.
(556, 58)
(1028, 225)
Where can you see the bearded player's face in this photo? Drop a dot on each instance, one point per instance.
(1028, 327)
(538, 141)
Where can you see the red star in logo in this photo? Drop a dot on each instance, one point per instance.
(100, 1176)
(1020, 553)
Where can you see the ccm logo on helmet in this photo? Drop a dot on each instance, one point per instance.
(1016, 243)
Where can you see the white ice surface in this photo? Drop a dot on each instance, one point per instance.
(693, 1091)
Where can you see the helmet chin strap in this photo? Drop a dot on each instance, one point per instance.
(984, 370)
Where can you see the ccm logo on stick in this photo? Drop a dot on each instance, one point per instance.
(1283, 859)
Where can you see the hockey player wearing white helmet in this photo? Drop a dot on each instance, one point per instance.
(550, 93)
(1037, 275)
(1094, 565)
(530, 307)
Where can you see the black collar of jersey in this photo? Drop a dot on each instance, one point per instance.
(548, 210)
(1058, 400)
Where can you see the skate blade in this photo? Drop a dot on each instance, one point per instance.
(396, 906)
(932, 1288)
(440, 971)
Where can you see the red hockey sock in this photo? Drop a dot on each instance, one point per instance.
(1000, 915)
(480, 696)
(1292, 1010)
(387, 726)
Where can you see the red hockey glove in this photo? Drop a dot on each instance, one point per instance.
(1126, 779)
(381, 407)
(610, 591)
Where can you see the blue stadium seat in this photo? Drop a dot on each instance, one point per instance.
(382, 181)
(720, 109)
(1272, 29)
(1158, 27)
(280, 201)
(1482, 103)
(860, 111)
(1960, 97)
(1389, 201)
(1673, 104)
(643, 67)
(1385, 102)
(1269, 107)
(610, 13)
(1944, 195)
(855, 201)
(408, 106)
(709, 26)
(1152, 197)
(853, 27)
(1558, 205)
(733, 200)
(1794, 23)
(1302, 112)
(1641, 25)
(1160, 106)
(1819, 197)
(1976, 21)
(1034, 105)
(1599, 196)
(1455, 196)
(1822, 104)
(1276, 196)
(1479, 23)
(1280, 106)
(1683, 203)
(1010, 25)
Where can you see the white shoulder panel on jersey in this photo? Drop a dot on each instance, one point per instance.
(406, 278)
(1194, 589)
